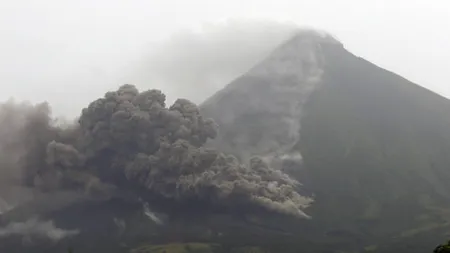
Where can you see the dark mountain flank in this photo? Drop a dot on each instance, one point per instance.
(372, 147)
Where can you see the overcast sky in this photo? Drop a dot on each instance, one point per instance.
(71, 51)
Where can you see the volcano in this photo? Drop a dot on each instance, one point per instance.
(371, 146)
(329, 153)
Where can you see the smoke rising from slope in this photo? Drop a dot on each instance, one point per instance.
(260, 112)
(24, 129)
(129, 138)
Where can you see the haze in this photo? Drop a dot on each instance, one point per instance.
(69, 52)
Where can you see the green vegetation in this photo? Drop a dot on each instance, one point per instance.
(176, 248)
(196, 248)
(443, 248)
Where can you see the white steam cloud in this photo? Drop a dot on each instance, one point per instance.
(36, 228)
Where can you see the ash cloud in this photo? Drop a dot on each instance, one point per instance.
(23, 130)
(131, 140)
(197, 63)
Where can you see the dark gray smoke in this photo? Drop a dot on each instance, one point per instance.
(129, 138)
(24, 130)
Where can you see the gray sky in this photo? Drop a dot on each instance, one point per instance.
(71, 51)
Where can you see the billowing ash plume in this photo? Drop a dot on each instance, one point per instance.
(24, 132)
(130, 138)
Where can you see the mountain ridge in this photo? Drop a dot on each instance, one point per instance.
(388, 136)
(283, 80)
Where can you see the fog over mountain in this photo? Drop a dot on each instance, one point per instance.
(84, 48)
(276, 88)
(189, 63)
(195, 64)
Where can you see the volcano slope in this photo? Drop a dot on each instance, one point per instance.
(370, 146)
